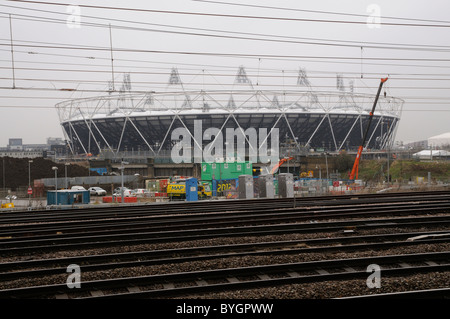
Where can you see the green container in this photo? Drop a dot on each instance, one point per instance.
(218, 171)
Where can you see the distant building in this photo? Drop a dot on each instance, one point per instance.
(17, 149)
(22, 154)
(441, 140)
(432, 154)
(15, 144)
(417, 145)
(55, 141)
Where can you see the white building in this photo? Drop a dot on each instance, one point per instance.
(439, 140)
(432, 154)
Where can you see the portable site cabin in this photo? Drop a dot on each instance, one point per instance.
(68, 197)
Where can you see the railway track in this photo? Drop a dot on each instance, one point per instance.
(113, 227)
(30, 268)
(232, 218)
(46, 216)
(90, 239)
(195, 282)
(346, 227)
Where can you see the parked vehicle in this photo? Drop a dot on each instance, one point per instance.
(118, 189)
(142, 192)
(177, 189)
(97, 191)
(78, 188)
(126, 192)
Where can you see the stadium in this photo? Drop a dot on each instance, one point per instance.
(304, 119)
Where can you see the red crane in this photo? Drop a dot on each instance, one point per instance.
(279, 164)
(354, 173)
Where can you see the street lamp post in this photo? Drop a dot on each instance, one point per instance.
(56, 184)
(29, 180)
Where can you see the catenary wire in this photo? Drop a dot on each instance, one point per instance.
(344, 43)
(221, 15)
(318, 11)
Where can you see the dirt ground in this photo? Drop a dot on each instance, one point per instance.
(14, 171)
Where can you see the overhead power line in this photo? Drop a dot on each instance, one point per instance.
(220, 68)
(198, 85)
(235, 34)
(317, 11)
(440, 66)
(252, 55)
(218, 74)
(221, 15)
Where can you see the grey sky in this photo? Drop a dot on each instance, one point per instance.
(30, 114)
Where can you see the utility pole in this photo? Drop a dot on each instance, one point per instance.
(112, 59)
(4, 177)
(29, 180)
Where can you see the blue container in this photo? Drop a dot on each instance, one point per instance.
(191, 190)
(68, 197)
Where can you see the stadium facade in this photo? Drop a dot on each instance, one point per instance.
(144, 122)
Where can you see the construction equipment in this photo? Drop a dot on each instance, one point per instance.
(281, 162)
(177, 189)
(354, 173)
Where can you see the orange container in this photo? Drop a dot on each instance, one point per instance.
(108, 199)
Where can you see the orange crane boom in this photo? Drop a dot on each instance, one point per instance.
(354, 173)
(279, 164)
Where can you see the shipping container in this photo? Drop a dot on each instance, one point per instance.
(218, 171)
(68, 197)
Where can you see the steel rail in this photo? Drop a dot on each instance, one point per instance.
(417, 294)
(234, 218)
(143, 258)
(209, 206)
(83, 242)
(271, 282)
(206, 221)
(41, 291)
